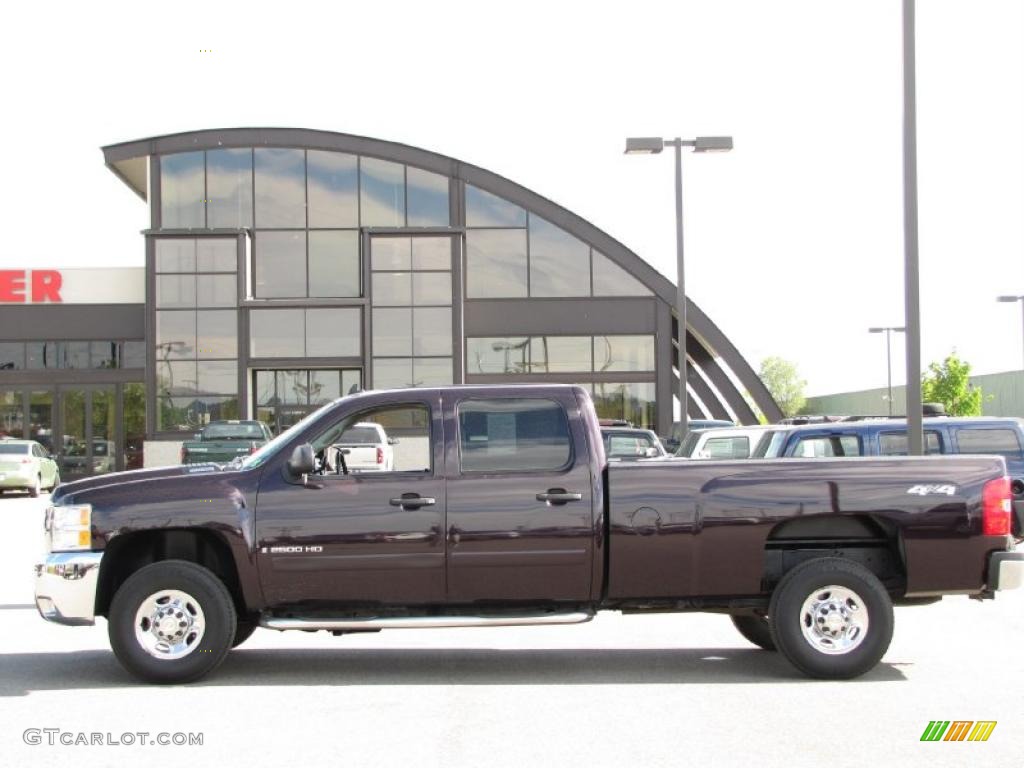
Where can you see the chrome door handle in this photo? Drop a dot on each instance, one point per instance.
(559, 496)
(413, 501)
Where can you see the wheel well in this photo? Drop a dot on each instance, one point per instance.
(129, 552)
(874, 543)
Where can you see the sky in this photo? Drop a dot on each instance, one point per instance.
(794, 241)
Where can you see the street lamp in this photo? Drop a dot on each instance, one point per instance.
(653, 145)
(1013, 299)
(888, 331)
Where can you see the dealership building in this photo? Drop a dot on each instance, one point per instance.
(283, 268)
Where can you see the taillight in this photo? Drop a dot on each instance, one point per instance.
(996, 507)
(26, 461)
(380, 455)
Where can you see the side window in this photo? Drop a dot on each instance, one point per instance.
(392, 438)
(726, 448)
(1003, 442)
(513, 435)
(627, 446)
(827, 447)
(895, 443)
(36, 452)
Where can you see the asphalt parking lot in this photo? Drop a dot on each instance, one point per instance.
(620, 691)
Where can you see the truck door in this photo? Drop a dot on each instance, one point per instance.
(370, 535)
(521, 524)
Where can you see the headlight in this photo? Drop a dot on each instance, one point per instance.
(69, 527)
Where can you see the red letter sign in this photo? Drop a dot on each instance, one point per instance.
(12, 285)
(46, 285)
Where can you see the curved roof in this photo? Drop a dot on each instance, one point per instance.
(128, 161)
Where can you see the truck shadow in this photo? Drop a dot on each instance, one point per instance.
(22, 673)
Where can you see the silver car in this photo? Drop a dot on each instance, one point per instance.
(26, 465)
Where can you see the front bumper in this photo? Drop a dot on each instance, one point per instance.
(1005, 570)
(66, 587)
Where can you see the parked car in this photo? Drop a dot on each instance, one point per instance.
(888, 437)
(630, 444)
(672, 441)
(363, 447)
(224, 441)
(515, 516)
(76, 456)
(26, 466)
(726, 442)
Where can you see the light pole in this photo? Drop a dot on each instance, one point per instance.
(1013, 299)
(653, 145)
(888, 331)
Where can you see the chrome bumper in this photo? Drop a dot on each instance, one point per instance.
(66, 587)
(1005, 570)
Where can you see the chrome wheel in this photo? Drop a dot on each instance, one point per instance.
(169, 624)
(834, 620)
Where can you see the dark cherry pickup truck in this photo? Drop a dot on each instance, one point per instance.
(501, 509)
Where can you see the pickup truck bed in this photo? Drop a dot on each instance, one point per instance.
(503, 509)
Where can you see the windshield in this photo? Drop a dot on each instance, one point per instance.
(14, 448)
(268, 450)
(233, 432)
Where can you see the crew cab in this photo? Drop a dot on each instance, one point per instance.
(224, 441)
(502, 509)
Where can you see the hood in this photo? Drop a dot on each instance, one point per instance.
(132, 476)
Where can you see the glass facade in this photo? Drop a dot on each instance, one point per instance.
(559, 354)
(42, 355)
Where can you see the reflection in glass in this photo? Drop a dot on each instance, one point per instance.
(175, 254)
(182, 191)
(133, 354)
(392, 331)
(560, 354)
(392, 289)
(382, 193)
(498, 355)
(133, 403)
(12, 356)
(76, 354)
(217, 333)
(432, 288)
(276, 332)
(428, 198)
(103, 354)
(12, 414)
(432, 371)
(218, 377)
(40, 418)
(432, 331)
(495, 263)
(216, 291)
(392, 373)
(333, 186)
(559, 263)
(104, 453)
(229, 188)
(293, 387)
(216, 254)
(191, 413)
(175, 335)
(334, 332)
(40, 355)
(623, 353)
(486, 210)
(279, 261)
(280, 188)
(176, 377)
(612, 280)
(334, 264)
(324, 386)
(392, 253)
(632, 402)
(431, 253)
(175, 291)
(73, 449)
(265, 389)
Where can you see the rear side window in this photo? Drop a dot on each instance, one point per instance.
(1002, 442)
(726, 448)
(827, 447)
(895, 443)
(15, 449)
(513, 435)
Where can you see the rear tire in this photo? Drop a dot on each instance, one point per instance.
(831, 618)
(755, 628)
(36, 487)
(171, 622)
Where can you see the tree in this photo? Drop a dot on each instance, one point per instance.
(949, 383)
(784, 382)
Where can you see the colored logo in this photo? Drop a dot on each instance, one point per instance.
(958, 730)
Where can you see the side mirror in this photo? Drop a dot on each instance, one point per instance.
(301, 462)
(392, 441)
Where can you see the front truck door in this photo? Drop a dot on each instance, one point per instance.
(370, 537)
(521, 524)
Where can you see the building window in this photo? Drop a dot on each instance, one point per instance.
(624, 353)
(182, 191)
(510, 254)
(427, 196)
(298, 333)
(281, 398)
(381, 193)
(412, 311)
(279, 265)
(332, 180)
(229, 188)
(560, 354)
(633, 402)
(280, 182)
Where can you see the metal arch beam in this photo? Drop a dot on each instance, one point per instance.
(698, 323)
(698, 351)
(696, 383)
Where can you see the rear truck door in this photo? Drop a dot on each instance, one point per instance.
(365, 537)
(521, 523)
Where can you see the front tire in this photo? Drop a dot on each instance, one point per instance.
(171, 622)
(831, 618)
(243, 630)
(754, 628)
(36, 487)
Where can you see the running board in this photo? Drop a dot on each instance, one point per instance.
(424, 622)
